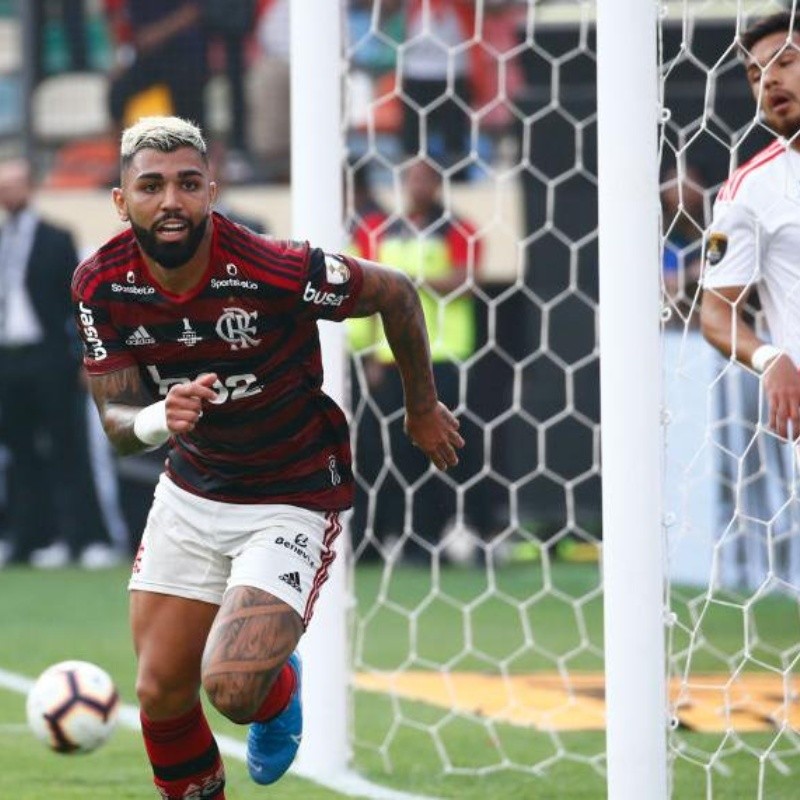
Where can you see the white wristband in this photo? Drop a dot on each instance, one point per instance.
(763, 355)
(150, 424)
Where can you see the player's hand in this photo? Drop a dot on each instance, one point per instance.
(184, 402)
(782, 389)
(435, 432)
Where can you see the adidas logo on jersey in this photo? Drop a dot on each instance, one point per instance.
(140, 337)
(292, 578)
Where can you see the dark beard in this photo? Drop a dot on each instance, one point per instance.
(170, 255)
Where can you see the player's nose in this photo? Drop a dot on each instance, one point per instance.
(170, 198)
(770, 78)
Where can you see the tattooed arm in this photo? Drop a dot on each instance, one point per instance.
(429, 424)
(120, 397)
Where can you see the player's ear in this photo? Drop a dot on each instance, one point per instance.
(212, 192)
(119, 203)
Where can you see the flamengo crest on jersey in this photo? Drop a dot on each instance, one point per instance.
(272, 435)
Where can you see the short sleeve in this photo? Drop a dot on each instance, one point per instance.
(731, 251)
(332, 286)
(103, 351)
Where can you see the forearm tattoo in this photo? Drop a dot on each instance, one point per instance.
(392, 295)
(119, 396)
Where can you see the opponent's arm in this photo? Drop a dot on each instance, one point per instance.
(429, 423)
(723, 325)
(132, 422)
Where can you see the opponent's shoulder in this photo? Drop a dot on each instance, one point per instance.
(105, 265)
(754, 175)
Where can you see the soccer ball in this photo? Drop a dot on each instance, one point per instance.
(73, 707)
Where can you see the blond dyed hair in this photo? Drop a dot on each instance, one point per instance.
(165, 134)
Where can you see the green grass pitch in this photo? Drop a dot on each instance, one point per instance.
(50, 616)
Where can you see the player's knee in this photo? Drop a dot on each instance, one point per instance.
(149, 696)
(158, 700)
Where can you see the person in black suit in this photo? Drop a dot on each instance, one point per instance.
(50, 491)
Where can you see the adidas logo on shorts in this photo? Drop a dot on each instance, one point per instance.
(292, 578)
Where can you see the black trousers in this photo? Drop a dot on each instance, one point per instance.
(50, 485)
(185, 79)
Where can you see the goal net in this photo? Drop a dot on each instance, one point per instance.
(731, 509)
(477, 627)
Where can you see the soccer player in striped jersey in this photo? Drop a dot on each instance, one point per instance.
(201, 335)
(755, 233)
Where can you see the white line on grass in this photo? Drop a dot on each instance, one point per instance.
(345, 782)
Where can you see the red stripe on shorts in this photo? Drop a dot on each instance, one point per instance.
(333, 529)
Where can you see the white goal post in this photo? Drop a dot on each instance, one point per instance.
(631, 399)
(316, 153)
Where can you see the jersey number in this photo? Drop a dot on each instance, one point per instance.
(234, 388)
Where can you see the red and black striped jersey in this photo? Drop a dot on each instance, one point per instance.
(273, 435)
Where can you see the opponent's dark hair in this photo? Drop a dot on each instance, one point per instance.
(781, 22)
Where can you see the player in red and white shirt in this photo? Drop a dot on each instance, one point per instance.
(202, 335)
(754, 239)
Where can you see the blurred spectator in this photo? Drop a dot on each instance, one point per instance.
(374, 35)
(71, 16)
(437, 35)
(42, 401)
(369, 26)
(367, 216)
(161, 48)
(437, 249)
(232, 24)
(495, 78)
(268, 91)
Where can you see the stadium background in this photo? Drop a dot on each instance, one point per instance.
(61, 121)
(529, 272)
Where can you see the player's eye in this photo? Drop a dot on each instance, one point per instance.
(191, 186)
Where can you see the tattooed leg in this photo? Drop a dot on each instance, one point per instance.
(251, 639)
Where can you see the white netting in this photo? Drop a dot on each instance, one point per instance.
(730, 496)
(498, 665)
(478, 631)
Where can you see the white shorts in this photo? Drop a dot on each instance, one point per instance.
(197, 548)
